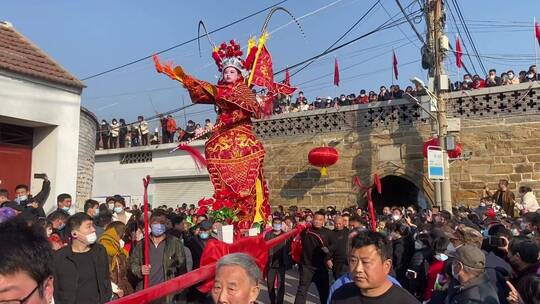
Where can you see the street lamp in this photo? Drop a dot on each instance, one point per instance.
(443, 189)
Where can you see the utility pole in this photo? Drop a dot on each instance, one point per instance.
(435, 35)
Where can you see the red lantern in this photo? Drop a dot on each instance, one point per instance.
(323, 157)
(435, 142)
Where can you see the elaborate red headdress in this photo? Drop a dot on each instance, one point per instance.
(231, 56)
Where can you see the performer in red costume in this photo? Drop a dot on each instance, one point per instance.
(234, 155)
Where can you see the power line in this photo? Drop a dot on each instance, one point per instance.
(341, 37)
(464, 44)
(382, 27)
(468, 34)
(183, 43)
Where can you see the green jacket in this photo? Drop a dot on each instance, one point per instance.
(174, 263)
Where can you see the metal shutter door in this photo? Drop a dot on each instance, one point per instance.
(173, 192)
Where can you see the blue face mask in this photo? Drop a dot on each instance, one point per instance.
(118, 210)
(204, 235)
(20, 199)
(61, 227)
(276, 227)
(158, 229)
(65, 208)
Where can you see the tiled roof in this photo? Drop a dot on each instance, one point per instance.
(19, 55)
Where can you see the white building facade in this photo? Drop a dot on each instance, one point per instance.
(175, 179)
(42, 99)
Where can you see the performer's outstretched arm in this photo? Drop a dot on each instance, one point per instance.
(199, 91)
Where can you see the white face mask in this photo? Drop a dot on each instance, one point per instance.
(396, 217)
(91, 238)
(122, 243)
(441, 257)
(49, 232)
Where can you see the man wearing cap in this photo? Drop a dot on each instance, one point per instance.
(497, 269)
(468, 268)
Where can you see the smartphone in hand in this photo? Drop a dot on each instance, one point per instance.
(40, 176)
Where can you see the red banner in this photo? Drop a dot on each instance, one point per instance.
(537, 31)
(206, 272)
(263, 75)
(394, 64)
(459, 53)
(336, 73)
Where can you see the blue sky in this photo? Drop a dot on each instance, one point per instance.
(88, 37)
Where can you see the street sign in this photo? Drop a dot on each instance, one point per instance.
(435, 164)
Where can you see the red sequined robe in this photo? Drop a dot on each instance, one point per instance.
(233, 153)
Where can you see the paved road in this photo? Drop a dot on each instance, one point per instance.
(291, 284)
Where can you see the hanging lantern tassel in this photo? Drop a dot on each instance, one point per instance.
(323, 157)
(324, 171)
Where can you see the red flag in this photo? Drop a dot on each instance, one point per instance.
(287, 80)
(264, 75)
(459, 53)
(394, 64)
(537, 31)
(336, 73)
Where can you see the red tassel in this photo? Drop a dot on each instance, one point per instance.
(199, 159)
(377, 183)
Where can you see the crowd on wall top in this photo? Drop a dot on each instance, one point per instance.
(469, 82)
(119, 134)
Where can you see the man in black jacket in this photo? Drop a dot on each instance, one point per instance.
(340, 239)
(468, 268)
(81, 268)
(33, 204)
(315, 260)
(278, 262)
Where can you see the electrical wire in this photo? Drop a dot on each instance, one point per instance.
(473, 66)
(341, 37)
(183, 43)
(468, 34)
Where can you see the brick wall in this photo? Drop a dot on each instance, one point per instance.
(500, 126)
(87, 149)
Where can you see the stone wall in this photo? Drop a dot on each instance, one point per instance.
(500, 126)
(87, 148)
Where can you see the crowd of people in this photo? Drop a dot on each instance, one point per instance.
(119, 134)
(486, 254)
(287, 105)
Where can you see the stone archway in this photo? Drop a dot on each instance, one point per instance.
(396, 177)
(399, 191)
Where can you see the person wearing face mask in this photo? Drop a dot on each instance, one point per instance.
(167, 258)
(512, 79)
(468, 270)
(118, 258)
(497, 269)
(33, 204)
(492, 80)
(63, 203)
(278, 262)
(58, 238)
(195, 240)
(436, 266)
(82, 267)
(115, 128)
(119, 212)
